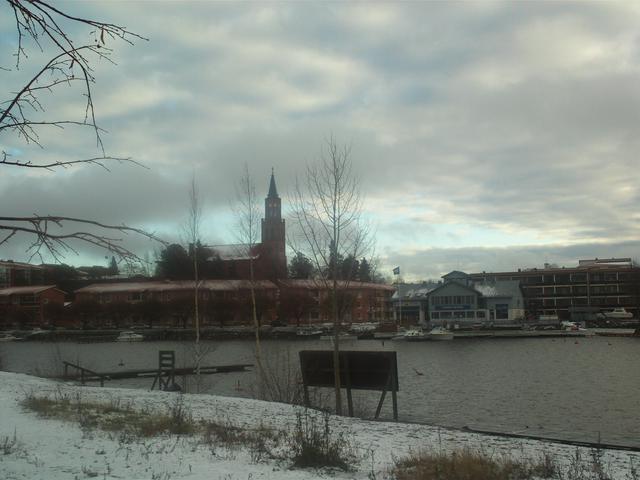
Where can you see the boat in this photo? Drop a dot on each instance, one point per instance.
(415, 335)
(569, 326)
(308, 333)
(619, 314)
(440, 333)
(129, 336)
(343, 337)
(7, 337)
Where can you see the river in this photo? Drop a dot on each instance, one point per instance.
(584, 389)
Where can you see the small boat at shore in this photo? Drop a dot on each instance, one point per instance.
(440, 333)
(618, 314)
(7, 337)
(343, 337)
(129, 336)
(308, 333)
(415, 335)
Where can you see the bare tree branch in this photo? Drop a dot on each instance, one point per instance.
(41, 21)
(57, 244)
(22, 115)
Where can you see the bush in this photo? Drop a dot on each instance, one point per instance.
(113, 417)
(314, 444)
(469, 465)
(260, 442)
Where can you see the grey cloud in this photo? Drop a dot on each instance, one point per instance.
(219, 85)
(435, 262)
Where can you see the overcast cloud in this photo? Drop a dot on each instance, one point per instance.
(488, 135)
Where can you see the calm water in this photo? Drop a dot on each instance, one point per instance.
(558, 388)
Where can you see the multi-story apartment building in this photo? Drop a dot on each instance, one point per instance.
(595, 284)
(17, 274)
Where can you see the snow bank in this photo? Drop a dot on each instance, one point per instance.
(56, 450)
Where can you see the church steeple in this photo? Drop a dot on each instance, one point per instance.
(272, 204)
(273, 191)
(273, 232)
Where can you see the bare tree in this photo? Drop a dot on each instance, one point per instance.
(327, 211)
(247, 215)
(23, 117)
(192, 229)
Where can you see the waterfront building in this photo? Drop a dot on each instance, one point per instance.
(18, 274)
(171, 303)
(309, 301)
(459, 300)
(25, 307)
(228, 302)
(410, 302)
(593, 285)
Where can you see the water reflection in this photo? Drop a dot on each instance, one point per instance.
(549, 387)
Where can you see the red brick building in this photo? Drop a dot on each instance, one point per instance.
(227, 302)
(309, 301)
(171, 303)
(17, 274)
(25, 307)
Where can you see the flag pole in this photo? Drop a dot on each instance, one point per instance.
(396, 271)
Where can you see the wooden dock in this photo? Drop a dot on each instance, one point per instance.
(521, 334)
(85, 375)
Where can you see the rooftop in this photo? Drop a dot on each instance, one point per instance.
(5, 292)
(168, 286)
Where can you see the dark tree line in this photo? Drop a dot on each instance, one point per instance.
(176, 263)
(348, 268)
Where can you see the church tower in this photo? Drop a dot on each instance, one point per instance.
(273, 233)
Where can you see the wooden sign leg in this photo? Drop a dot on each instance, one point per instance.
(347, 372)
(384, 394)
(306, 395)
(394, 395)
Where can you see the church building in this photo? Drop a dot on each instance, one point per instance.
(269, 256)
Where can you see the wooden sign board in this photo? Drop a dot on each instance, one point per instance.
(359, 370)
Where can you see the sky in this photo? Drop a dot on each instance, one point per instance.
(486, 136)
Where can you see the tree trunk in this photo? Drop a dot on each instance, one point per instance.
(196, 317)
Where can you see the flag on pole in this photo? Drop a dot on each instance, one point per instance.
(396, 271)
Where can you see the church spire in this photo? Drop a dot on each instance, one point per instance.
(273, 191)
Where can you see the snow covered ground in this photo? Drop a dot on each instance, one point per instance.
(36, 448)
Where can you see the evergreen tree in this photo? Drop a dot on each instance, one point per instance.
(348, 268)
(300, 267)
(113, 266)
(364, 271)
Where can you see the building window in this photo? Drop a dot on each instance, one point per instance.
(29, 299)
(502, 311)
(135, 296)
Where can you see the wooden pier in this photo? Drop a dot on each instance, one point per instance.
(85, 375)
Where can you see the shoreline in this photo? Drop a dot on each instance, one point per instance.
(289, 333)
(58, 448)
